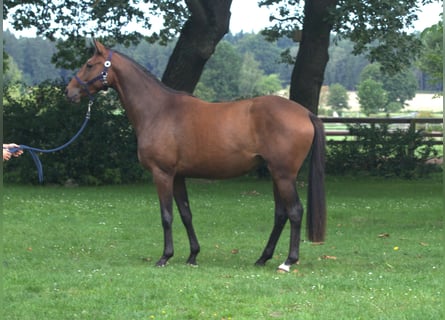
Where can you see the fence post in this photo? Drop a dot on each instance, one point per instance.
(411, 132)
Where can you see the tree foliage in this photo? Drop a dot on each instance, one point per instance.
(399, 87)
(376, 28)
(105, 153)
(268, 85)
(343, 66)
(249, 75)
(338, 97)
(74, 21)
(222, 72)
(372, 97)
(267, 53)
(431, 59)
(12, 74)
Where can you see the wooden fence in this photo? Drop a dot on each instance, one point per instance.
(397, 123)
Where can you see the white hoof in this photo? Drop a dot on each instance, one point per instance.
(284, 267)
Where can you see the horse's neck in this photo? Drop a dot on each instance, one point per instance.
(141, 94)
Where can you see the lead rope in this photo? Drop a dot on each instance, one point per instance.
(33, 150)
(103, 77)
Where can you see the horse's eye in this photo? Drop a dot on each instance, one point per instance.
(89, 66)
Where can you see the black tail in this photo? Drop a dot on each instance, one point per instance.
(316, 201)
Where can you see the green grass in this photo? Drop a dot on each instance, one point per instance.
(89, 253)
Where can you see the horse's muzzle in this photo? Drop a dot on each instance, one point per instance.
(72, 95)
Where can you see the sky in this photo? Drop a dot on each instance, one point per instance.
(248, 17)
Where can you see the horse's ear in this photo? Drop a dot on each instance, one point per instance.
(100, 48)
(96, 45)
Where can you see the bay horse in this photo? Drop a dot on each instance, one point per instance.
(179, 136)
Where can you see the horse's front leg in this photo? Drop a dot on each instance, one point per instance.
(182, 202)
(164, 186)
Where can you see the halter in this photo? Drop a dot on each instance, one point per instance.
(101, 77)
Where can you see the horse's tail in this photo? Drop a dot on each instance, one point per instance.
(316, 201)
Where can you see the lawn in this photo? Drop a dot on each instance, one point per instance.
(89, 253)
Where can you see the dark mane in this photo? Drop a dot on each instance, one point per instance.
(151, 75)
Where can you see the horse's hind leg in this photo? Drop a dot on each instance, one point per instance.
(279, 222)
(287, 206)
(182, 202)
(294, 209)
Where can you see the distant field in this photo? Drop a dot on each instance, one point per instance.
(421, 102)
(89, 253)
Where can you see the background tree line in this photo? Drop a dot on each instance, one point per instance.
(244, 65)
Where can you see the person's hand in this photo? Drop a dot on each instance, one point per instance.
(7, 154)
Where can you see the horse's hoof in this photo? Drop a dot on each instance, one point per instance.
(283, 268)
(193, 265)
(192, 262)
(260, 263)
(161, 263)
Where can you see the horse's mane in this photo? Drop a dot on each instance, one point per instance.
(149, 74)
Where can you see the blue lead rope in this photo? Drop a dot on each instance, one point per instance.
(33, 150)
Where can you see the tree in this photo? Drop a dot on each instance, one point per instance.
(204, 28)
(222, 73)
(267, 53)
(400, 86)
(338, 97)
(371, 96)
(268, 85)
(12, 74)
(250, 73)
(431, 59)
(375, 27)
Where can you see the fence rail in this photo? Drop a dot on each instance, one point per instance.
(409, 122)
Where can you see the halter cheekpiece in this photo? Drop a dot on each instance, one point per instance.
(101, 77)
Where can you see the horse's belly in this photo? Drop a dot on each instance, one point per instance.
(221, 167)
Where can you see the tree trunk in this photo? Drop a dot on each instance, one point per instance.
(312, 58)
(207, 24)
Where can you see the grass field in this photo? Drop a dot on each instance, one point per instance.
(89, 253)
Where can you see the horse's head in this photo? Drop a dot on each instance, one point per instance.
(93, 76)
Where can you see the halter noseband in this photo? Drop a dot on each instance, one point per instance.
(102, 77)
